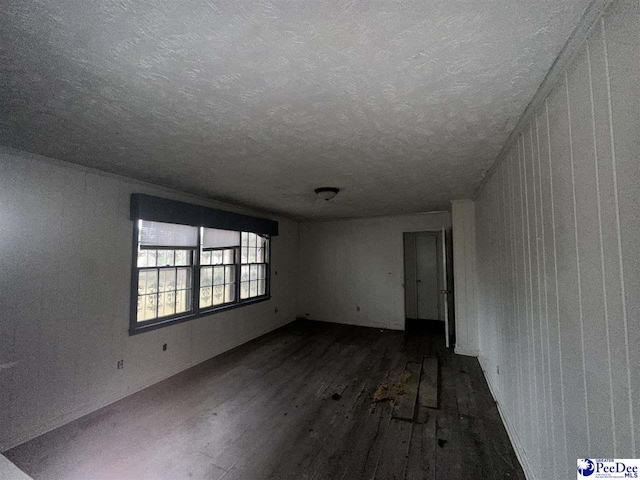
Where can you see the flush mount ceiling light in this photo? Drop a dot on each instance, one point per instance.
(327, 193)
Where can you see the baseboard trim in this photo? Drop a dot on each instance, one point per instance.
(513, 436)
(34, 431)
(465, 352)
(354, 324)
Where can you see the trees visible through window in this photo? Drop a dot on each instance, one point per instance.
(164, 282)
(254, 258)
(184, 271)
(218, 281)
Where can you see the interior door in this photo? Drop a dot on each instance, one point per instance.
(427, 277)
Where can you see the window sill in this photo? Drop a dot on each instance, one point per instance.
(136, 329)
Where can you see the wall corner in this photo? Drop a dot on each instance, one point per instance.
(465, 276)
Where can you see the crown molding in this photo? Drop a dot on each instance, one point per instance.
(578, 37)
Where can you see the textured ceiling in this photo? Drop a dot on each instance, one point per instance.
(402, 104)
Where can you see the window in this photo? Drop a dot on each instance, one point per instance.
(253, 270)
(183, 272)
(164, 283)
(218, 267)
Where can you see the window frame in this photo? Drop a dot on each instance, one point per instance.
(136, 327)
(190, 266)
(266, 261)
(213, 266)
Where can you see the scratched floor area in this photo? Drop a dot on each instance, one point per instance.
(297, 403)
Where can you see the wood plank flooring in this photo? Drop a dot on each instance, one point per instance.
(297, 403)
(428, 396)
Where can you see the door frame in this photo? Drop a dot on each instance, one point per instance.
(438, 253)
(439, 233)
(414, 266)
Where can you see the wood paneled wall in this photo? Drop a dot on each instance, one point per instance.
(558, 245)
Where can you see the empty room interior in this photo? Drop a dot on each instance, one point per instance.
(358, 239)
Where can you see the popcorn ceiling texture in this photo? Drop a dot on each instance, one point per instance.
(403, 105)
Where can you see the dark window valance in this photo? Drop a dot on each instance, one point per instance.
(156, 209)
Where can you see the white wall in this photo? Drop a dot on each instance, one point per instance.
(9, 471)
(558, 242)
(347, 264)
(465, 276)
(65, 254)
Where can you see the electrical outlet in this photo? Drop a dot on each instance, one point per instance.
(120, 364)
(164, 347)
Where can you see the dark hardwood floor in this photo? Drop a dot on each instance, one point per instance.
(297, 403)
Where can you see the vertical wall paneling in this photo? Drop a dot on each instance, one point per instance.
(594, 318)
(515, 296)
(621, 33)
(542, 292)
(559, 261)
(610, 255)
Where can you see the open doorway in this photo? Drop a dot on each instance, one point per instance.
(427, 278)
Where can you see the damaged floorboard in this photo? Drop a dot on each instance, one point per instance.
(307, 401)
(405, 403)
(428, 390)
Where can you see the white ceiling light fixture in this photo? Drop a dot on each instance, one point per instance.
(327, 193)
